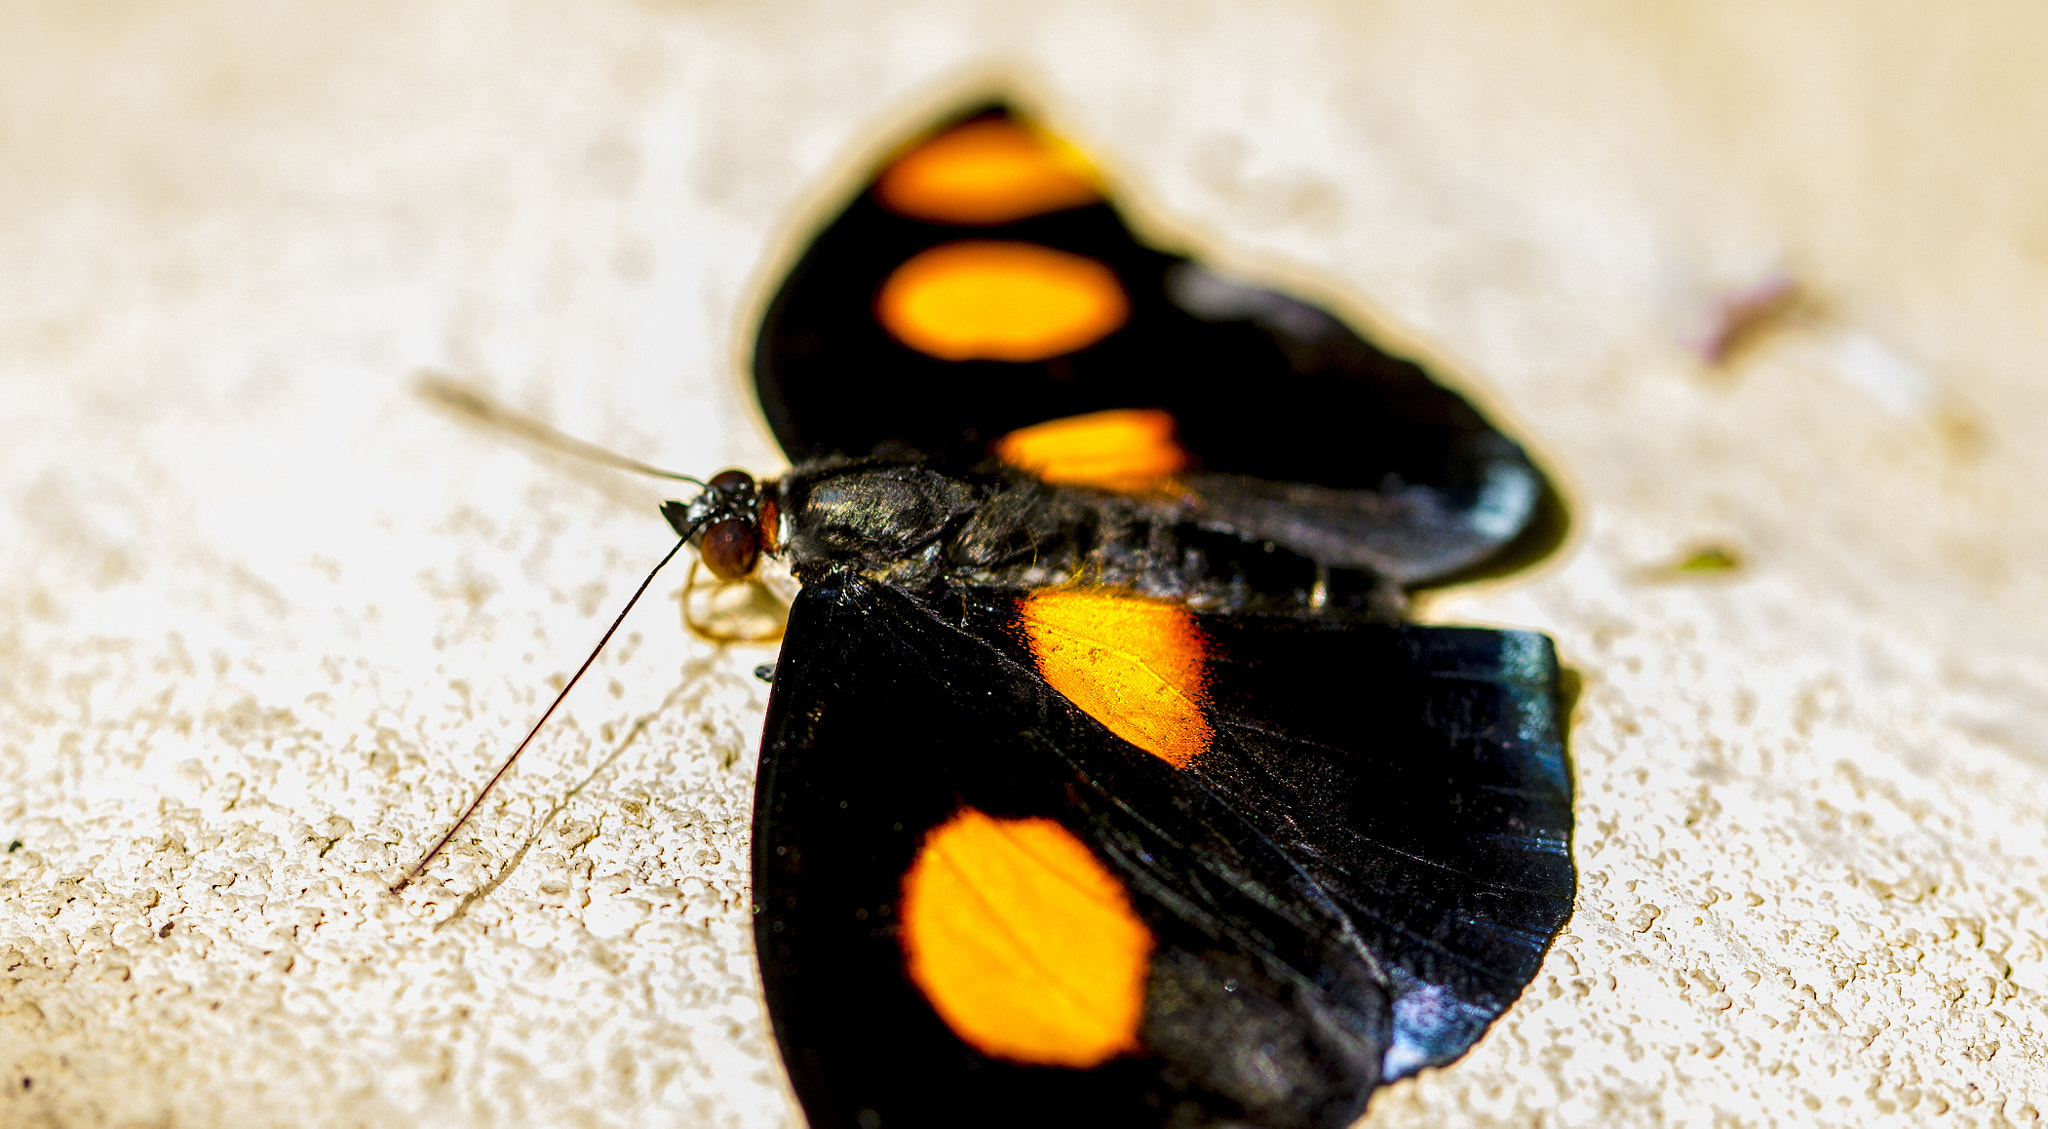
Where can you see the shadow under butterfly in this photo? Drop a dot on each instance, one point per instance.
(1103, 779)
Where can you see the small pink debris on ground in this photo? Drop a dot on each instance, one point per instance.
(1738, 313)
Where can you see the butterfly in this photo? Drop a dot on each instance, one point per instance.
(1104, 779)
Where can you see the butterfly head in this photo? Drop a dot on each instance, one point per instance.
(731, 523)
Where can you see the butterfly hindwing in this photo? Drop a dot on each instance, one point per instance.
(978, 902)
(983, 284)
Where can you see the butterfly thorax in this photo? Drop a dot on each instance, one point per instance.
(917, 525)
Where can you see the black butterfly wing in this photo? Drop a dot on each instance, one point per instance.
(1300, 431)
(1362, 870)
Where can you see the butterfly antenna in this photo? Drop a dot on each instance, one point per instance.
(420, 867)
(468, 401)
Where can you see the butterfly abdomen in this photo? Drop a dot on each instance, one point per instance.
(910, 523)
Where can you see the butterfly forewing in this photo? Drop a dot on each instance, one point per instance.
(907, 326)
(1327, 896)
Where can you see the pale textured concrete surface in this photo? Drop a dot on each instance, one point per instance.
(265, 617)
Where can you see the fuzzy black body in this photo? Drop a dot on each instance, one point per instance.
(911, 523)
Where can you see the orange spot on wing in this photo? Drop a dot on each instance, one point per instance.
(1125, 449)
(1138, 666)
(987, 172)
(1000, 301)
(1025, 945)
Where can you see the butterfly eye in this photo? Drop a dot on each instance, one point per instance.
(732, 482)
(730, 548)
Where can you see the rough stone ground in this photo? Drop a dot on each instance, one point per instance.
(265, 616)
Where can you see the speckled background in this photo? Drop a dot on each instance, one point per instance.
(266, 616)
